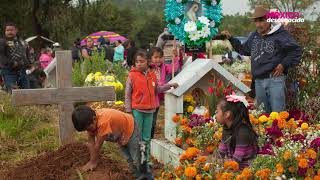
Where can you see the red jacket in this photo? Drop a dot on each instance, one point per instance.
(143, 89)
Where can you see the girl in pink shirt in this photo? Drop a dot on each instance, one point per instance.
(162, 71)
(45, 58)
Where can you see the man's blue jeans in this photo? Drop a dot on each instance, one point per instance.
(13, 79)
(271, 92)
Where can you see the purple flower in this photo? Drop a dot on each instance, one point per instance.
(315, 144)
(298, 137)
(302, 172)
(274, 131)
(312, 162)
(298, 115)
(279, 143)
(266, 149)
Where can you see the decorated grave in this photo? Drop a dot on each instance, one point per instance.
(192, 80)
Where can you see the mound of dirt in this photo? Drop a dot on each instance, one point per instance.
(63, 164)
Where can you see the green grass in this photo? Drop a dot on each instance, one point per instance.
(26, 131)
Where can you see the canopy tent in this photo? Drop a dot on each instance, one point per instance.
(41, 37)
(112, 36)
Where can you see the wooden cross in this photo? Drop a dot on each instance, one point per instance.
(64, 95)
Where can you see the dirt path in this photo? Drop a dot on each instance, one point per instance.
(63, 164)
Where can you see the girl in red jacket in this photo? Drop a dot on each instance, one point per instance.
(140, 98)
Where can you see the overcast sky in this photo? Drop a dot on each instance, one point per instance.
(231, 7)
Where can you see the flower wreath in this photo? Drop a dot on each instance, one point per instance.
(193, 33)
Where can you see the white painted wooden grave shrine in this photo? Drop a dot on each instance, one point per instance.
(64, 95)
(195, 75)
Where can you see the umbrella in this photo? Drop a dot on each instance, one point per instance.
(112, 36)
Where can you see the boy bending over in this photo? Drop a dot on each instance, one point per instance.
(109, 125)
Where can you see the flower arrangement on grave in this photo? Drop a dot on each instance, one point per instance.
(197, 131)
(216, 91)
(192, 28)
(289, 148)
(238, 67)
(98, 79)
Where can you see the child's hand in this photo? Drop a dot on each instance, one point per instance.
(174, 85)
(89, 166)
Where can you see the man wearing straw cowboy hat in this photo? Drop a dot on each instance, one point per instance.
(273, 51)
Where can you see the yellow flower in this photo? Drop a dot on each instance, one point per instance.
(190, 109)
(304, 126)
(263, 119)
(98, 78)
(274, 115)
(89, 78)
(187, 98)
(198, 177)
(107, 84)
(109, 78)
(98, 74)
(118, 103)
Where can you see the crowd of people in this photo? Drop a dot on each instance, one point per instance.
(20, 67)
(115, 52)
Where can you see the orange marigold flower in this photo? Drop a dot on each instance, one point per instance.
(184, 121)
(192, 152)
(201, 159)
(178, 170)
(281, 123)
(226, 176)
(183, 157)
(240, 177)
(317, 177)
(217, 135)
(231, 165)
(307, 178)
(303, 163)
(206, 167)
(264, 173)
(178, 141)
(210, 149)
(279, 169)
(284, 115)
(176, 118)
(291, 169)
(190, 172)
(287, 155)
(189, 141)
(198, 177)
(311, 154)
(206, 178)
(246, 172)
(318, 172)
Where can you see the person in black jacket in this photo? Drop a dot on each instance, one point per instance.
(14, 59)
(132, 50)
(273, 51)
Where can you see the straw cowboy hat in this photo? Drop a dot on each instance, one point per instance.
(259, 11)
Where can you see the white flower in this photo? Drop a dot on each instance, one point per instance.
(190, 26)
(204, 20)
(194, 36)
(206, 31)
(212, 24)
(179, 1)
(278, 178)
(214, 2)
(177, 21)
